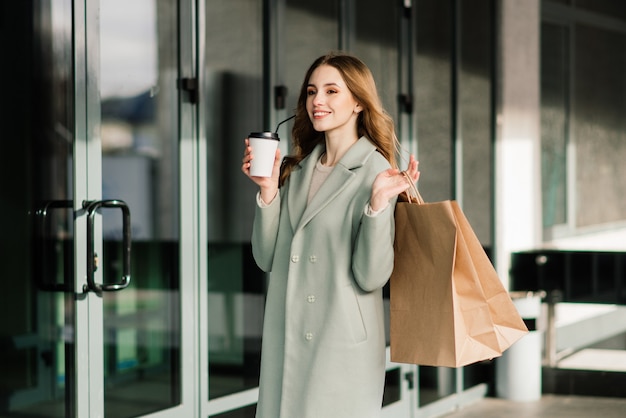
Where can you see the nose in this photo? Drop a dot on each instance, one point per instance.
(317, 98)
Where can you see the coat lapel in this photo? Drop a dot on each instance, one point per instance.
(299, 180)
(344, 172)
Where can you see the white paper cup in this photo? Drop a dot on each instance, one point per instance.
(264, 146)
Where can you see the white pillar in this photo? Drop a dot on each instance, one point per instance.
(518, 146)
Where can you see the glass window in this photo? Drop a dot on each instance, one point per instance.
(311, 30)
(554, 123)
(234, 103)
(433, 93)
(474, 100)
(139, 133)
(433, 97)
(37, 302)
(234, 96)
(599, 125)
(435, 383)
(611, 8)
(377, 46)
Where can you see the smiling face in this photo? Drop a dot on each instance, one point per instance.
(330, 105)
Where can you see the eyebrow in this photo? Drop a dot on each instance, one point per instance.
(325, 85)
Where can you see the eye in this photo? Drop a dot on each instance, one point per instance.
(310, 92)
(331, 91)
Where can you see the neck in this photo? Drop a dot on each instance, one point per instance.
(336, 148)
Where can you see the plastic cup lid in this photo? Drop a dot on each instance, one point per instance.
(264, 135)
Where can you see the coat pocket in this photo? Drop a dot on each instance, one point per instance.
(353, 315)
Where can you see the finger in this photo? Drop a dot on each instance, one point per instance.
(412, 170)
(277, 158)
(392, 172)
(247, 152)
(400, 187)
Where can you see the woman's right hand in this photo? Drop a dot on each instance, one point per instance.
(268, 185)
(391, 182)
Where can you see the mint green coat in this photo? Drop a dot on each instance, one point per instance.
(323, 351)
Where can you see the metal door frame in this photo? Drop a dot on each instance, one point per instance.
(88, 398)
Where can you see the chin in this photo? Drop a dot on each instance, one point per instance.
(318, 128)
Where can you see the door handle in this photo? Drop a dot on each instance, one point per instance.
(46, 264)
(92, 207)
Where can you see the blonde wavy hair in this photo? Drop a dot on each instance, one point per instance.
(373, 121)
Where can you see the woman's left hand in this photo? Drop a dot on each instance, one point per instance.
(390, 183)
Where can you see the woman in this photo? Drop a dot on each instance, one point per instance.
(324, 229)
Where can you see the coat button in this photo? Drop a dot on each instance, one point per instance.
(310, 298)
(313, 259)
(308, 336)
(295, 258)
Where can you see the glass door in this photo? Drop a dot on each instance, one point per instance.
(96, 324)
(37, 302)
(138, 127)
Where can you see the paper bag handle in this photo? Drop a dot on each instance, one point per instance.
(412, 194)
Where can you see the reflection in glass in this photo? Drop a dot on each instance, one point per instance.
(139, 133)
(393, 386)
(311, 30)
(554, 123)
(599, 126)
(609, 8)
(435, 383)
(235, 107)
(433, 89)
(474, 130)
(377, 46)
(236, 300)
(433, 40)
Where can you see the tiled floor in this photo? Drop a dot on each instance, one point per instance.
(550, 406)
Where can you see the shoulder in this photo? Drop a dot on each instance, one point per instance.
(374, 164)
(375, 160)
(378, 160)
(364, 155)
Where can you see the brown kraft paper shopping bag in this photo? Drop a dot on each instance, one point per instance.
(448, 305)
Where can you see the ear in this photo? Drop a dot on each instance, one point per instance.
(358, 108)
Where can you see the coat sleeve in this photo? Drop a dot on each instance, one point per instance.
(265, 233)
(372, 261)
